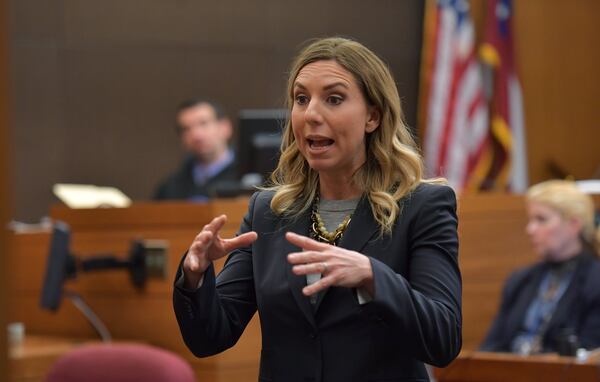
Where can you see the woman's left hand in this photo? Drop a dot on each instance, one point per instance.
(338, 266)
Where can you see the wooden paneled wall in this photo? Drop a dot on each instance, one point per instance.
(104, 77)
(5, 181)
(97, 82)
(493, 243)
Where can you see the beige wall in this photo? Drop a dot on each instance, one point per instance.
(557, 57)
(96, 82)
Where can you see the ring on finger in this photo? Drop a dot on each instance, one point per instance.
(324, 265)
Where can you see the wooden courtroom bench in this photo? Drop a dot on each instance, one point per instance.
(492, 244)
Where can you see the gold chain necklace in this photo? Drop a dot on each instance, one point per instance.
(320, 233)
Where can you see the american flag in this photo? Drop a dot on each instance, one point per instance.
(456, 120)
(473, 117)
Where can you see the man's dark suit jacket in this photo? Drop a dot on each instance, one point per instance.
(180, 185)
(578, 310)
(414, 317)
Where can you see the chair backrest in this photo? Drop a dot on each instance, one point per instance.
(120, 363)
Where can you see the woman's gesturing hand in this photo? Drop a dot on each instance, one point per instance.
(338, 266)
(209, 246)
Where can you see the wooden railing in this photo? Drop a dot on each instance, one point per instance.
(501, 367)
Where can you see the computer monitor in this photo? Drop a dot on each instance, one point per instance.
(146, 258)
(58, 266)
(258, 143)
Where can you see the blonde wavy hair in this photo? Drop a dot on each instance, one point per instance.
(393, 165)
(565, 197)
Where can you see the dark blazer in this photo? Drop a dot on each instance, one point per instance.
(578, 310)
(415, 315)
(181, 185)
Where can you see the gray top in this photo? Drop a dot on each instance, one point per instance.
(333, 212)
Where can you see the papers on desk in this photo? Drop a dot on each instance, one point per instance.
(589, 186)
(90, 196)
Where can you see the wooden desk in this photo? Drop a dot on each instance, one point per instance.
(502, 367)
(31, 361)
(131, 315)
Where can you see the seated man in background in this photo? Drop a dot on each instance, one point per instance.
(204, 131)
(554, 305)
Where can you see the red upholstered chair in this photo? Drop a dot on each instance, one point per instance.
(120, 363)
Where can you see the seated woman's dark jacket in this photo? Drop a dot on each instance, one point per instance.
(577, 311)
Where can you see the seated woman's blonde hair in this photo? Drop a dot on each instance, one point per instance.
(567, 199)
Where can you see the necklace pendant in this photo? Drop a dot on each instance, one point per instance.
(319, 231)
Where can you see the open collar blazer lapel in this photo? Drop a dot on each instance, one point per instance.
(361, 229)
(297, 283)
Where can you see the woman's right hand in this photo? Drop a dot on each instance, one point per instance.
(209, 246)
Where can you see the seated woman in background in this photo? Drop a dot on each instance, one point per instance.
(557, 299)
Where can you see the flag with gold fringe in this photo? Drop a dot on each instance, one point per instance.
(507, 169)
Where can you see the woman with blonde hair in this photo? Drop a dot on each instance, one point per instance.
(349, 256)
(554, 305)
